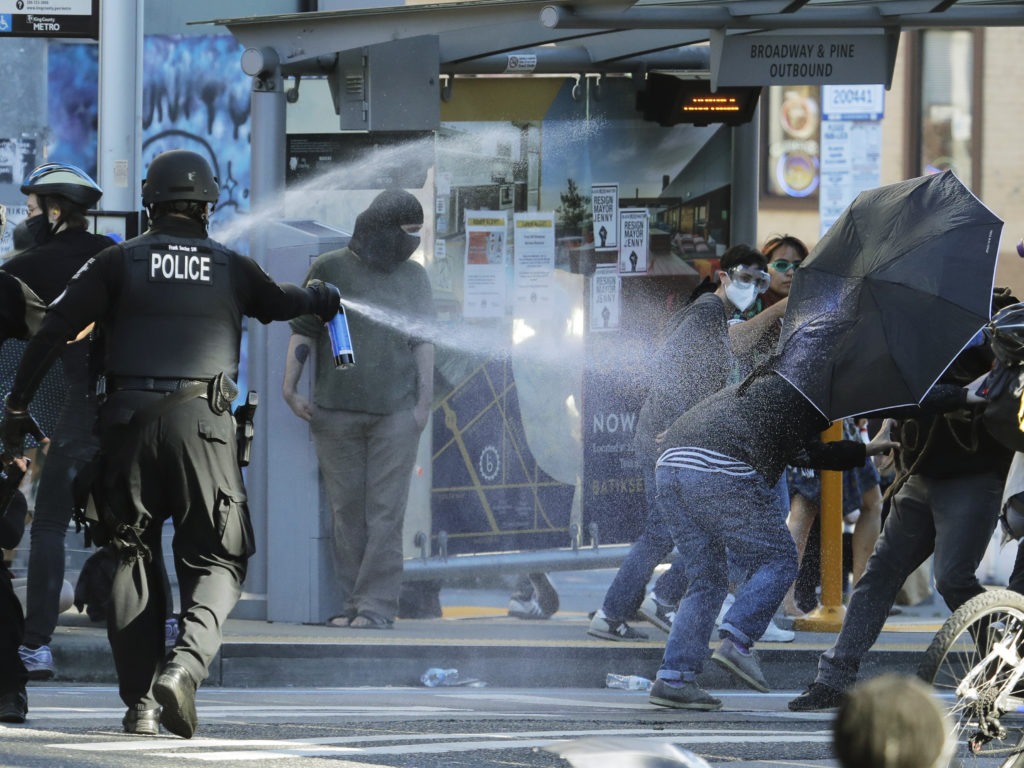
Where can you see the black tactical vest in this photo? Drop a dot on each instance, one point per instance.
(177, 316)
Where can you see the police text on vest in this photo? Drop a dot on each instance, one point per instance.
(180, 264)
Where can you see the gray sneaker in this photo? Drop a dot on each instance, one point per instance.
(743, 665)
(686, 695)
(610, 629)
(659, 615)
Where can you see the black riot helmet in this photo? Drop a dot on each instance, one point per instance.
(179, 174)
(1006, 331)
(63, 180)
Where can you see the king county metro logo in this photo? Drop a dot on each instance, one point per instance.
(490, 463)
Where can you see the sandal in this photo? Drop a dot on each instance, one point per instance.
(341, 620)
(370, 620)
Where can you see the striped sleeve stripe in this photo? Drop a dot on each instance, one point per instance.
(702, 460)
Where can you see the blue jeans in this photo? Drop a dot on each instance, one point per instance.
(708, 513)
(629, 586)
(954, 517)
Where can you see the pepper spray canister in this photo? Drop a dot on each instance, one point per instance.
(341, 339)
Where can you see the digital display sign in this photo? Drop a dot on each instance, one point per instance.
(669, 100)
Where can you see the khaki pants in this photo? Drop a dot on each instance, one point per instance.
(366, 462)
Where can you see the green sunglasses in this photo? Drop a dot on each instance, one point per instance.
(784, 266)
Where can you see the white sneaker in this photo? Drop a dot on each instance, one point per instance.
(526, 609)
(659, 615)
(776, 634)
(38, 662)
(609, 629)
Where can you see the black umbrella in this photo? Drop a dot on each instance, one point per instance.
(890, 296)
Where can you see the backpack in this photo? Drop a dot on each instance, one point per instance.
(1003, 416)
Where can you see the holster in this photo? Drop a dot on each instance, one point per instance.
(245, 427)
(221, 392)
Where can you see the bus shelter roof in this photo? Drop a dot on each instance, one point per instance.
(476, 36)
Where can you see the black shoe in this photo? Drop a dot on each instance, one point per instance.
(817, 696)
(544, 592)
(175, 690)
(142, 722)
(13, 706)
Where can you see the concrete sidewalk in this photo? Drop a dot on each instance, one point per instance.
(477, 638)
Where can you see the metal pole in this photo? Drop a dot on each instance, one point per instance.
(531, 561)
(745, 164)
(267, 188)
(120, 104)
(828, 617)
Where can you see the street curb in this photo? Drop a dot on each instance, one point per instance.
(502, 664)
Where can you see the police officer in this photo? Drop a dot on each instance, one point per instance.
(170, 305)
(59, 196)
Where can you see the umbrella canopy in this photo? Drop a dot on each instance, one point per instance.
(890, 296)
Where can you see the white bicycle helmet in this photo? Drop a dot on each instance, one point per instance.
(65, 180)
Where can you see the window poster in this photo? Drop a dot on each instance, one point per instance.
(604, 201)
(634, 235)
(605, 298)
(485, 279)
(534, 256)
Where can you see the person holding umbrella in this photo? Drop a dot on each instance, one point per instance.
(897, 287)
(900, 286)
(945, 500)
(716, 491)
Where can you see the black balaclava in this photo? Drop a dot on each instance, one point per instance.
(379, 239)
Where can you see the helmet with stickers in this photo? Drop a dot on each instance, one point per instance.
(179, 174)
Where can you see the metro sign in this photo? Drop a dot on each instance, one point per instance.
(50, 18)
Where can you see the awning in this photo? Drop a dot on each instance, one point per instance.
(600, 36)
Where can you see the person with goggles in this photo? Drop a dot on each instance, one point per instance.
(696, 357)
(784, 254)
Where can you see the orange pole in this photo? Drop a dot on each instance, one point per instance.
(828, 617)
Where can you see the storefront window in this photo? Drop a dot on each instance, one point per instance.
(947, 103)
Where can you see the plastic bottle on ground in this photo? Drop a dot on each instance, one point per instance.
(628, 682)
(436, 676)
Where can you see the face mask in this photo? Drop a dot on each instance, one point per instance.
(35, 231)
(741, 296)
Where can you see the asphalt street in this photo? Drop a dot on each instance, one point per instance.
(79, 726)
(479, 727)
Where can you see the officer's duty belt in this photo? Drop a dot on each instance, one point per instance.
(149, 384)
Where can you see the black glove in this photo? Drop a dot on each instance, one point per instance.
(16, 425)
(325, 299)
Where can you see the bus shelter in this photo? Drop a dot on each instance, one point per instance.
(621, 136)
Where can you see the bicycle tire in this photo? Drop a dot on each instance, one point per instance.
(955, 665)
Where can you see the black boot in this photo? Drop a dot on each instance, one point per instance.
(13, 706)
(175, 690)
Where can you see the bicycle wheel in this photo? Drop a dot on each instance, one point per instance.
(974, 664)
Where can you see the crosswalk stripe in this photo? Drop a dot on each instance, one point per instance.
(444, 741)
